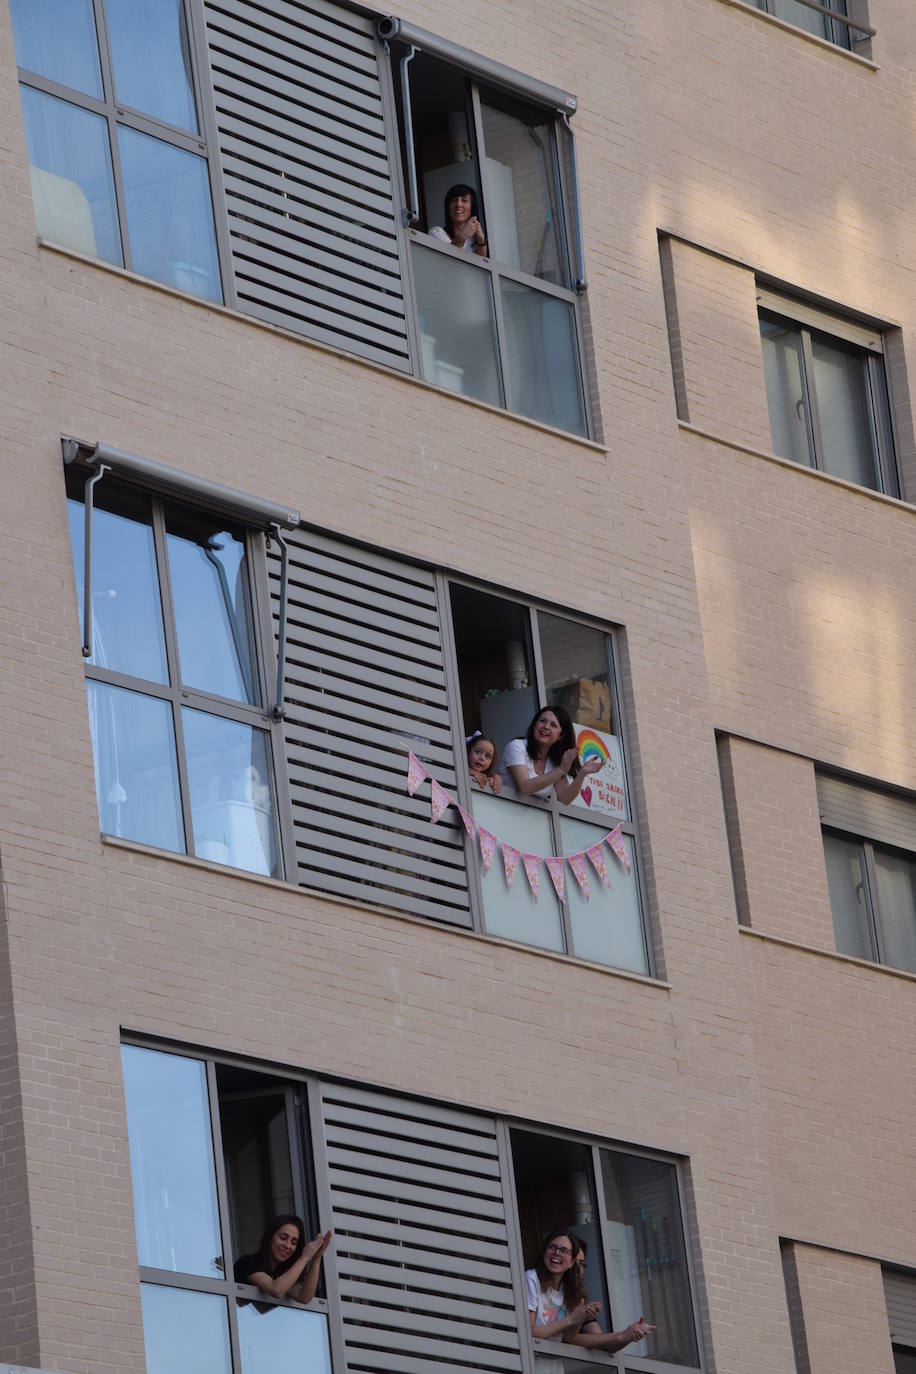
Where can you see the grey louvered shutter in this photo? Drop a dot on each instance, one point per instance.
(305, 163)
(882, 816)
(365, 675)
(900, 1296)
(419, 1235)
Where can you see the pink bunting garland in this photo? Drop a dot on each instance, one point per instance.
(599, 862)
(468, 820)
(511, 856)
(487, 847)
(580, 871)
(532, 864)
(440, 801)
(416, 773)
(618, 844)
(557, 875)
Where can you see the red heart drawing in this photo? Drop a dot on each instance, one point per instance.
(586, 795)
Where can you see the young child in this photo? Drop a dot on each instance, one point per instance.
(482, 762)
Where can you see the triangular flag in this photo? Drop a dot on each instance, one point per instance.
(468, 819)
(532, 864)
(557, 873)
(599, 862)
(416, 773)
(618, 844)
(511, 856)
(487, 847)
(580, 870)
(440, 801)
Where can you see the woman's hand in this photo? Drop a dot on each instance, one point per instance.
(636, 1330)
(593, 766)
(316, 1248)
(568, 759)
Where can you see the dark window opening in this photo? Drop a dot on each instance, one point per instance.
(493, 647)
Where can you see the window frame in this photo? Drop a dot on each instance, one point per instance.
(871, 897)
(117, 113)
(806, 321)
(842, 29)
(259, 717)
(552, 807)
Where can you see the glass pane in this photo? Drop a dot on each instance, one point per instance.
(72, 183)
(542, 360)
(455, 318)
(846, 880)
(782, 368)
(126, 611)
(56, 38)
(889, 479)
(524, 223)
(184, 1331)
(575, 660)
(169, 214)
(136, 773)
(801, 16)
(896, 874)
(608, 927)
(212, 599)
(229, 776)
(282, 1338)
(152, 59)
(171, 1163)
(515, 913)
(259, 1174)
(647, 1240)
(844, 413)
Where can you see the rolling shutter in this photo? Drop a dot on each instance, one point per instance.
(882, 816)
(305, 165)
(364, 678)
(420, 1236)
(900, 1296)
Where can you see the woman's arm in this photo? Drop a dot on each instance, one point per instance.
(569, 788)
(304, 1290)
(570, 1323)
(552, 778)
(610, 1341)
(297, 1277)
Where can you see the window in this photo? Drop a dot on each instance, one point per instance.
(870, 852)
(113, 130)
(827, 393)
(422, 1200)
(900, 1296)
(500, 326)
(181, 733)
(828, 19)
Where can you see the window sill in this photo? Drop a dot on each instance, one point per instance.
(828, 954)
(802, 33)
(895, 501)
(46, 245)
(387, 913)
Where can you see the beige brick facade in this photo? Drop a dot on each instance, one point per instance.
(760, 602)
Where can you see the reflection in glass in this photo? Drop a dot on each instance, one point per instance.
(127, 630)
(805, 18)
(171, 1164)
(231, 804)
(184, 1331)
(169, 214)
(645, 1232)
(457, 335)
(841, 385)
(212, 606)
(72, 183)
(576, 676)
(152, 59)
(845, 878)
(608, 927)
(524, 224)
(136, 773)
(896, 877)
(785, 395)
(279, 1338)
(541, 356)
(515, 914)
(56, 38)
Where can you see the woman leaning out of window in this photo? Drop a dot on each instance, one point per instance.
(546, 760)
(284, 1266)
(556, 1301)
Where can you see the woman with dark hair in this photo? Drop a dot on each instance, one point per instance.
(284, 1266)
(546, 760)
(590, 1335)
(462, 221)
(556, 1302)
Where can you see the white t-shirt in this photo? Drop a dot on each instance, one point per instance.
(516, 752)
(550, 1306)
(437, 232)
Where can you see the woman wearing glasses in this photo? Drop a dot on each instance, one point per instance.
(556, 1302)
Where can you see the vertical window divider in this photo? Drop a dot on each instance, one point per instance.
(399, 196)
(872, 905)
(514, 1238)
(313, 1104)
(813, 424)
(606, 1255)
(552, 803)
(222, 1205)
(480, 153)
(209, 132)
(110, 93)
(878, 380)
(262, 616)
(160, 545)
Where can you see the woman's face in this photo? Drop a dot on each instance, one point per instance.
(480, 755)
(283, 1242)
(547, 730)
(459, 208)
(558, 1256)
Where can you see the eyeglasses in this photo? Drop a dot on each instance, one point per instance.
(558, 1250)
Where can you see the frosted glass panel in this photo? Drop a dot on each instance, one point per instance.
(455, 315)
(184, 1333)
(608, 927)
(515, 913)
(542, 359)
(281, 1338)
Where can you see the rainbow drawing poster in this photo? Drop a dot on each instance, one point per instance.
(604, 790)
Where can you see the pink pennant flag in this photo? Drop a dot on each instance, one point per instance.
(511, 856)
(416, 773)
(618, 844)
(487, 847)
(580, 871)
(468, 819)
(532, 864)
(599, 862)
(557, 871)
(440, 801)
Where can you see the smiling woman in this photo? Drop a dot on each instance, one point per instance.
(284, 1266)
